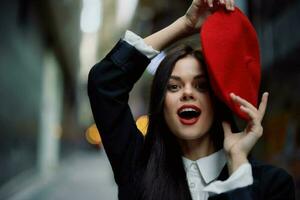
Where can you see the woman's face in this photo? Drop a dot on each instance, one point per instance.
(188, 108)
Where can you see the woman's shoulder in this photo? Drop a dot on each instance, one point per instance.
(272, 179)
(265, 168)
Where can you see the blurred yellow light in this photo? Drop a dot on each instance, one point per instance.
(92, 135)
(142, 124)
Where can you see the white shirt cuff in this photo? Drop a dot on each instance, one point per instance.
(242, 177)
(138, 42)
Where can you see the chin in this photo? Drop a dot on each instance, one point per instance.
(189, 135)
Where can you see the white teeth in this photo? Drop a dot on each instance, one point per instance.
(188, 109)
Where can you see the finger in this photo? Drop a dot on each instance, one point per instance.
(255, 118)
(232, 4)
(197, 3)
(263, 104)
(242, 101)
(227, 4)
(210, 3)
(226, 128)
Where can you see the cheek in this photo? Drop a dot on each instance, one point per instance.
(209, 108)
(169, 108)
(170, 101)
(167, 105)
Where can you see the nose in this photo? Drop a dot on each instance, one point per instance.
(188, 94)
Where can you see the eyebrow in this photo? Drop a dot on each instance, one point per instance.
(177, 78)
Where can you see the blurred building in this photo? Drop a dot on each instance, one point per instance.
(39, 59)
(46, 50)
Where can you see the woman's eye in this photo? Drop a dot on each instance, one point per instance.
(202, 86)
(173, 87)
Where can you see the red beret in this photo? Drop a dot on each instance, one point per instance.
(231, 51)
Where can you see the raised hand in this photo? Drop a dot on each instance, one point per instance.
(238, 145)
(188, 24)
(200, 9)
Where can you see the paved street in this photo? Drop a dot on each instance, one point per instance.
(84, 175)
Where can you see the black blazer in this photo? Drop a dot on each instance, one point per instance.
(109, 84)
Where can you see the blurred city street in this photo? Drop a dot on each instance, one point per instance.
(83, 175)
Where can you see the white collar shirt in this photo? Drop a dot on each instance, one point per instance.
(202, 172)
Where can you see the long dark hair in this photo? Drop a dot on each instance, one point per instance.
(163, 174)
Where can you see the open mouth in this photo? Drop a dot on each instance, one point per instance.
(188, 114)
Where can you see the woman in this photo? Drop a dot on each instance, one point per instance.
(190, 151)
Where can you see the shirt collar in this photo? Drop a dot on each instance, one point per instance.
(210, 166)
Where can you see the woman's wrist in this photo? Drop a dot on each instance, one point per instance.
(235, 161)
(177, 30)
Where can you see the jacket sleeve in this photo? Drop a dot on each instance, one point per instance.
(278, 184)
(109, 84)
(271, 183)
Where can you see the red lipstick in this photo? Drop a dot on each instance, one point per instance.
(189, 120)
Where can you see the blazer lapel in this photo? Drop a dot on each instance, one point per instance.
(224, 174)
